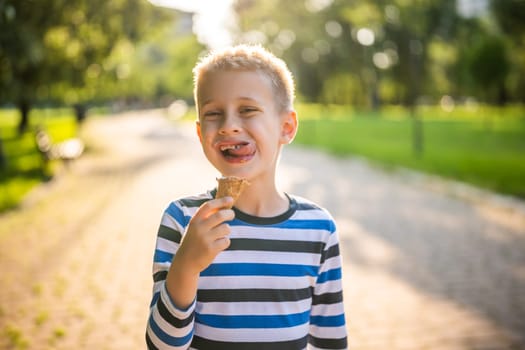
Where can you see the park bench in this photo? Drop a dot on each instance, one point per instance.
(66, 151)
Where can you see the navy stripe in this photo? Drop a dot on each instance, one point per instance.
(193, 202)
(255, 269)
(162, 256)
(160, 276)
(333, 251)
(276, 245)
(253, 321)
(166, 338)
(330, 275)
(327, 298)
(202, 343)
(169, 234)
(267, 221)
(253, 295)
(149, 343)
(168, 317)
(333, 344)
(307, 206)
(328, 321)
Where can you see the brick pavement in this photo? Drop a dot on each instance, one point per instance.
(423, 270)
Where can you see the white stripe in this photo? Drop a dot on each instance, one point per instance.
(163, 266)
(328, 287)
(175, 311)
(271, 282)
(266, 257)
(330, 264)
(157, 286)
(168, 328)
(255, 308)
(313, 214)
(273, 233)
(327, 309)
(166, 245)
(169, 221)
(251, 334)
(328, 332)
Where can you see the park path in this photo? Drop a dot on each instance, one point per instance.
(427, 265)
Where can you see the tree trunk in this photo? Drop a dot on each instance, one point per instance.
(417, 132)
(80, 112)
(502, 95)
(3, 158)
(24, 107)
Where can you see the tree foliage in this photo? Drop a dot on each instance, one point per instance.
(398, 51)
(57, 50)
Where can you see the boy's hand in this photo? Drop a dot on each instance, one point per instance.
(206, 235)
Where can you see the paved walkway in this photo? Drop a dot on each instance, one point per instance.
(422, 269)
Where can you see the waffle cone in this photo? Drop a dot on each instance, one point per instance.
(230, 186)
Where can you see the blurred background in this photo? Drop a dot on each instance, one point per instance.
(437, 86)
(432, 85)
(95, 95)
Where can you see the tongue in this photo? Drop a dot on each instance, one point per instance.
(243, 150)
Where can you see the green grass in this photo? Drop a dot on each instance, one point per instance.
(24, 165)
(484, 147)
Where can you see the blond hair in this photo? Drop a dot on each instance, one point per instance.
(249, 58)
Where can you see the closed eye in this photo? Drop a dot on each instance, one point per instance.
(212, 114)
(247, 111)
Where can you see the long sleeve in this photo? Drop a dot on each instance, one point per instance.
(168, 326)
(327, 319)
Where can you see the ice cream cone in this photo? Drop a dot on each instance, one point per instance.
(231, 186)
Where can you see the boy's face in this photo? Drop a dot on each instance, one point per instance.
(239, 127)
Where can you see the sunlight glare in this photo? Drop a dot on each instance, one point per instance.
(213, 20)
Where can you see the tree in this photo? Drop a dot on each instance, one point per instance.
(316, 52)
(489, 66)
(509, 15)
(419, 48)
(48, 48)
(22, 52)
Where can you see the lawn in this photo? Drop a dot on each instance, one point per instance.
(24, 166)
(483, 146)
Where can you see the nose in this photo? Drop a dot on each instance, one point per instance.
(230, 124)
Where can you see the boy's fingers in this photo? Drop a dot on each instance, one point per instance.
(222, 243)
(219, 203)
(219, 217)
(212, 206)
(220, 231)
(213, 221)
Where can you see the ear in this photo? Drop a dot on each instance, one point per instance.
(198, 129)
(288, 126)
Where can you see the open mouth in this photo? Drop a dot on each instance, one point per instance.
(237, 152)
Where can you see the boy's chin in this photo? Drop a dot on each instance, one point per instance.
(240, 172)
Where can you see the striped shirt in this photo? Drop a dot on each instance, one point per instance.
(277, 286)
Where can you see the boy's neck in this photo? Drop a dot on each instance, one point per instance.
(263, 200)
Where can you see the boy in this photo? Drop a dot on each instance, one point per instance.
(266, 273)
